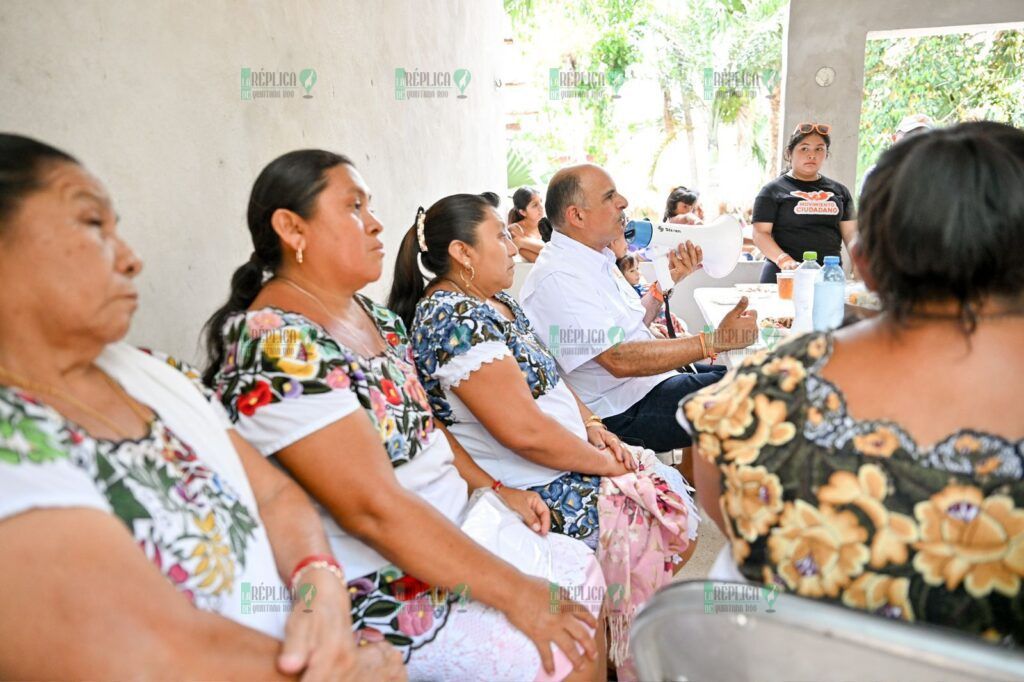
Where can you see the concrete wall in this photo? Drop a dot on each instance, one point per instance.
(834, 34)
(147, 95)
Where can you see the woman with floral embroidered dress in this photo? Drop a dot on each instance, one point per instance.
(496, 387)
(882, 466)
(489, 378)
(320, 378)
(132, 516)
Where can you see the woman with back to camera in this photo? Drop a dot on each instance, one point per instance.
(802, 210)
(882, 466)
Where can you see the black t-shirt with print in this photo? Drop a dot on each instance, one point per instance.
(805, 216)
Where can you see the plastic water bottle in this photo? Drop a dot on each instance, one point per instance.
(804, 279)
(829, 296)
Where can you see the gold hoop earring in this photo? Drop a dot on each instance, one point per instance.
(472, 274)
(298, 256)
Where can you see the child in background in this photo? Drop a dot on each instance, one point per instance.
(629, 266)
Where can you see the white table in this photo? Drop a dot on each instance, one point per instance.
(715, 302)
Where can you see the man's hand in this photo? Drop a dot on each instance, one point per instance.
(684, 261)
(738, 328)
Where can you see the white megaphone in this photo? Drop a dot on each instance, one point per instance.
(721, 241)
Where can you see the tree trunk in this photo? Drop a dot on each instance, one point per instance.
(775, 160)
(669, 125)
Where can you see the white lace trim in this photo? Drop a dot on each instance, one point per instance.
(460, 367)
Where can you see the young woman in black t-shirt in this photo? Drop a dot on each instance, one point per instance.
(802, 210)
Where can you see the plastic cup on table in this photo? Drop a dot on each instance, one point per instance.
(785, 280)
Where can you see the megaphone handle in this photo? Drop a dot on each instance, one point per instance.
(663, 273)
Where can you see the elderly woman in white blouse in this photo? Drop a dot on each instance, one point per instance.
(134, 522)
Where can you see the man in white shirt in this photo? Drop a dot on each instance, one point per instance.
(593, 322)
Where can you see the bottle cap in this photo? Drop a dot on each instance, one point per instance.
(831, 260)
(810, 255)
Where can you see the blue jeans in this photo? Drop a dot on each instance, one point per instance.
(651, 421)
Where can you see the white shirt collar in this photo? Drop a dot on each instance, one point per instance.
(581, 255)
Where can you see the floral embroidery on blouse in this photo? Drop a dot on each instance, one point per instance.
(273, 355)
(189, 522)
(449, 324)
(832, 507)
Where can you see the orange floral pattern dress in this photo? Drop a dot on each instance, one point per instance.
(854, 511)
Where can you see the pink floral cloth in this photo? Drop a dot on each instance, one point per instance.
(643, 527)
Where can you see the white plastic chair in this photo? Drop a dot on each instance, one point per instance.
(685, 307)
(674, 638)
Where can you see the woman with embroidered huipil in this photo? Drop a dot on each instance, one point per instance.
(141, 536)
(881, 467)
(321, 379)
(496, 387)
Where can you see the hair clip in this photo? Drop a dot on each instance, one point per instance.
(420, 236)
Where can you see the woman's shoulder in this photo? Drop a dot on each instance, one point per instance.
(31, 432)
(256, 337)
(775, 185)
(188, 370)
(257, 323)
(446, 308)
(449, 324)
(510, 302)
(833, 184)
(766, 389)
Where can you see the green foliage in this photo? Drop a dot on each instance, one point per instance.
(521, 11)
(623, 24)
(519, 170)
(949, 77)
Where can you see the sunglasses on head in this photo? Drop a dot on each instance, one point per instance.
(806, 128)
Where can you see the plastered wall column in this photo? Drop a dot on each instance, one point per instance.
(824, 59)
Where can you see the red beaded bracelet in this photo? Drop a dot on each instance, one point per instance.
(497, 485)
(321, 561)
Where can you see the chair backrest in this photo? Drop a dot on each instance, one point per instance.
(684, 306)
(704, 630)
